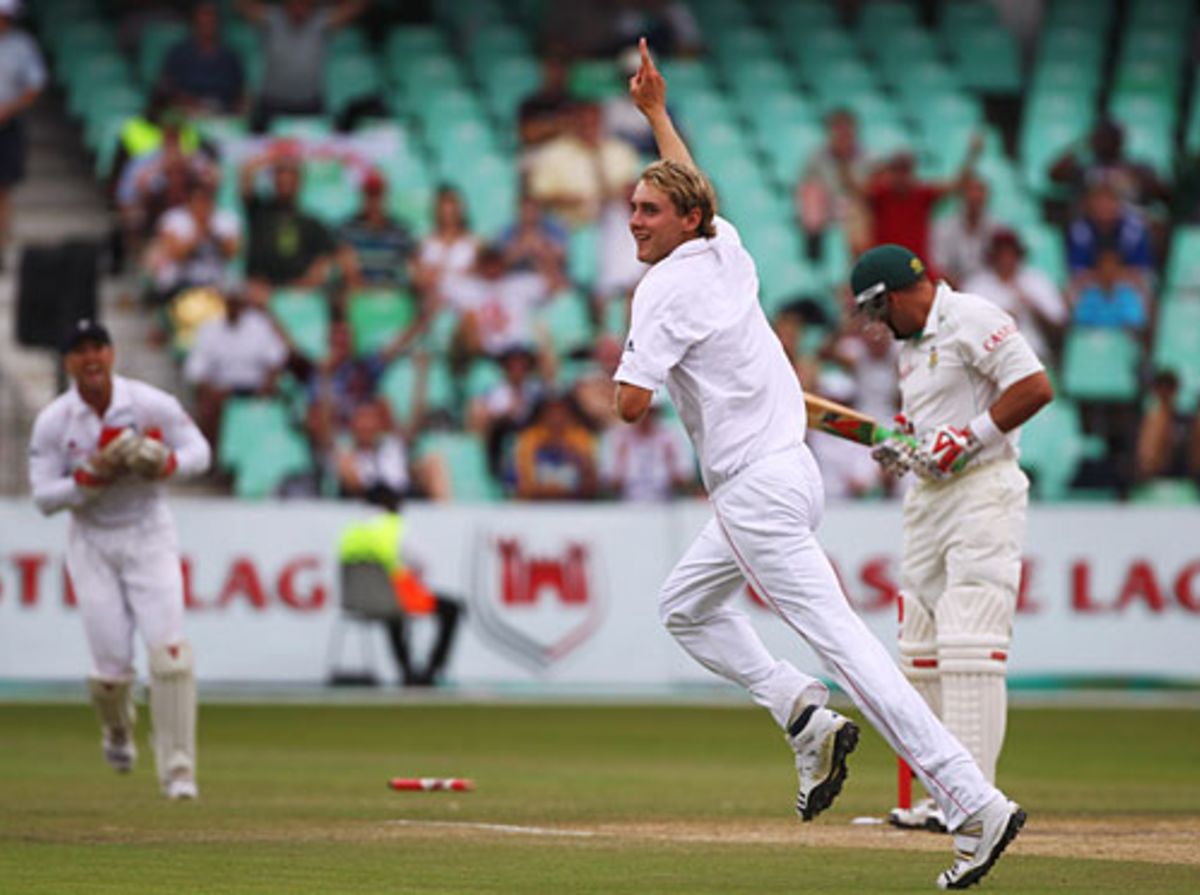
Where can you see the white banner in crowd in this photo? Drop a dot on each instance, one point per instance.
(567, 595)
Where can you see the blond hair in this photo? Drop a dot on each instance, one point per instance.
(688, 189)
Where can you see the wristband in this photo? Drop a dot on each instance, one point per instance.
(985, 430)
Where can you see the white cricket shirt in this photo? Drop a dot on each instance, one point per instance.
(969, 352)
(697, 326)
(67, 432)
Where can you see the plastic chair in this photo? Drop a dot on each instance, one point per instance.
(1100, 365)
(376, 316)
(304, 315)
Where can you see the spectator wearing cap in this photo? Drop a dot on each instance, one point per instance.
(287, 247)
(200, 73)
(238, 354)
(1023, 291)
(195, 246)
(901, 204)
(830, 189)
(451, 247)
(961, 238)
(495, 305)
(555, 456)
(1106, 222)
(295, 36)
(22, 78)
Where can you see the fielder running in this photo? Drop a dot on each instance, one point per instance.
(102, 450)
(968, 381)
(698, 328)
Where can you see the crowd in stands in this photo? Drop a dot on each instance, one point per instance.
(394, 335)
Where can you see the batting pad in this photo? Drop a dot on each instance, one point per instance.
(173, 709)
(919, 653)
(114, 703)
(975, 696)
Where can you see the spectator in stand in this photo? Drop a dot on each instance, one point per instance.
(1024, 292)
(374, 455)
(535, 241)
(556, 455)
(1113, 297)
(867, 353)
(961, 239)
(648, 461)
(901, 205)
(451, 247)
(295, 36)
(287, 247)
(495, 305)
(830, 191)
(1107, 223)
(621, 116)
(344, 379)
(195, 246)
(170, 157)
(577, 172)
(22, 78)
(508, 406)
(238, 354)
(847, 470)
(201, 74)
(1103, 157)
(543, 114)
(375, 250)
(1165, 436)
(600, 27)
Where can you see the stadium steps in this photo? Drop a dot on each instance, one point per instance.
(60, 199)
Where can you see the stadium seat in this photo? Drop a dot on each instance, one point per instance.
(1052, 446)
(259, 445)
(1100, 365)
(988, 61)
(376, 316)
(466, 462)
(1167, 492)
(349, 79)
(1177, 347)
(155, 40)
(482, 376)
(1046, 251)
(567, 323)
(304, 316)
(400, 383)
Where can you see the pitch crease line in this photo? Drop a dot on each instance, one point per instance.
(498, 828)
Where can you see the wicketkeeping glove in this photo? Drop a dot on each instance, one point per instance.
(151, 458)
(115, 451)
(89, 479)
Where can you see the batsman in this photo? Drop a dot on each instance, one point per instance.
(102, 450)
(968, 381)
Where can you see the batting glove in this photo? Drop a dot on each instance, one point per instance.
(949, 449)
(152, 459)
(897, 454)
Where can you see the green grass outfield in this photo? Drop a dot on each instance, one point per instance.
(597, 799)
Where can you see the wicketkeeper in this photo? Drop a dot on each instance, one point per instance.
(968, 381)
(102, 450)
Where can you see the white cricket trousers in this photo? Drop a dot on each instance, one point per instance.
(762, 533)
(126, 578)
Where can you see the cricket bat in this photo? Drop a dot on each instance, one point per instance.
(845, 422)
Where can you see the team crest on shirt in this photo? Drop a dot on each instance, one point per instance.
(933, 358)
(629, 345)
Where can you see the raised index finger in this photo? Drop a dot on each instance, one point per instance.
(647, 62)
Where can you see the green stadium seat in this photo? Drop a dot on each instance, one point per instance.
(304, 316)
(1066, 76)
(154, 42)
(1183, 264)
(1044, 138)
(259, 445)
(439, 333)
(988, 61)
(843, 80)
(401, 381)
(882, 18)
(566, 322)
(1166, 15)
(466, 463)
(720, 15)
(1093, 14)
(1100, 365)
(406, 41)
(1052, 446)
(349, 79)
(1177, 347)
(1047, 251)
(1167, 492)
(583, 254)
(968, 16)
(482, 376)
(376, 317)
(594, 79)
(350, 40)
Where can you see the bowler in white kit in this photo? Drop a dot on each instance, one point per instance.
(697, 328)
(102, 450)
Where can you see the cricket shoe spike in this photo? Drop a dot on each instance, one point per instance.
(924, 815)
(119, 749)
(821, 739)
(980, 841)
